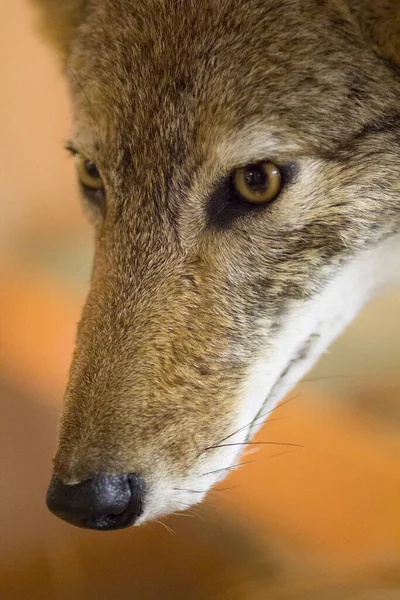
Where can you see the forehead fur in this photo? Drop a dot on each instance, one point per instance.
(155, 71)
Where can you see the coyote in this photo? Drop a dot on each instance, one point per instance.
(240, 161)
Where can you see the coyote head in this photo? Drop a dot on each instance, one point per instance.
(240, 160)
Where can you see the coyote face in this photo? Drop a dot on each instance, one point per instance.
(240, 161)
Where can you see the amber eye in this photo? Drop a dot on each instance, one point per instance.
(259, 183)
(88, 173)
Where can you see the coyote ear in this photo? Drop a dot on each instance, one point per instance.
(380, 23)
(58, 21)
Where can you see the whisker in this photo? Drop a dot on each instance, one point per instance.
(51, 408)
(278, 419)
(265, 415)
(192, 491)
(252, 422)
(230, 468)
(269, 412)
(255, 444)
(249, 462)
(182, 514)
(196, 512)
(326, 378)
(95, 120)
(171, 531)
(206, 491)
(279, 454)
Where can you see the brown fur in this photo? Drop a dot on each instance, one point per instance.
(60, 20)
(181, 280)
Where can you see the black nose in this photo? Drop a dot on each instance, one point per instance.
(104, 502)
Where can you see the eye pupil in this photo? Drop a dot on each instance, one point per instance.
(256, 178)
(91, 169)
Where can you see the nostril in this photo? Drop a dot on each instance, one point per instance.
(103, 502)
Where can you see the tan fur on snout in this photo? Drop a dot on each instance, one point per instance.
(138, 350)
(201, 312)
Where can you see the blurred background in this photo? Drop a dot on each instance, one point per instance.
(320, 522)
